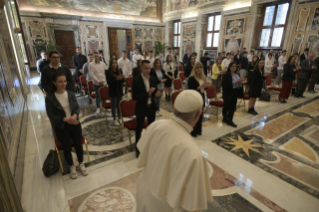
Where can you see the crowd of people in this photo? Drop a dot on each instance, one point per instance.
(232, 75)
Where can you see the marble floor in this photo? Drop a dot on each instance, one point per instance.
(269, 163)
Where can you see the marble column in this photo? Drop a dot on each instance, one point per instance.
(289, 29)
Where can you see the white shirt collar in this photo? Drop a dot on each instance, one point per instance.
(184, 124)
(58, 66)
(144, 78)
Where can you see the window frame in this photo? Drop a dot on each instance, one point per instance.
(213, 31)
(273, 26)
(178, 34)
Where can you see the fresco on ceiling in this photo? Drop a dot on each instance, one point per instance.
(146, 8)
(182, 4)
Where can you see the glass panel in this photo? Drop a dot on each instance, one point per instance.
(15, 15)
(179, 27)
(217, 22)
(277, 36)
(178, 41)
(282, 13)
(264, 38)
(209, 40)
(175, 28)
(269, 15)
(25, 59)
(216, 39)
(210, 23)
(175, 41)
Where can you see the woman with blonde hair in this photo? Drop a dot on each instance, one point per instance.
(197, 82)
(217, 72)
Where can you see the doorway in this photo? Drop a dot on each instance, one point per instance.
(65, 40)
(119, 40)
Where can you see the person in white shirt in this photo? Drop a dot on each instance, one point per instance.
(169, 52)
(227, 60)
(125, 64)
(161, 57)
(176, 61)
(271, 51)
(150, 58)
(281, 62)
(250, 56)
(268, 64)
(86, 66)
(136, 57)
(97, 73)
(174, 176)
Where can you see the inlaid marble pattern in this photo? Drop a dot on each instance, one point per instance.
(312, 109)
(303, 19)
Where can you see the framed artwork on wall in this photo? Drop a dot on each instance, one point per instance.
(235, 26)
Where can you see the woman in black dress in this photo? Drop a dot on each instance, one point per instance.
(137, 70)
(232, 89)
(197, 82)
(169, 68)
(188, 68)
(257, 78)
(250, 70)
(115, 80)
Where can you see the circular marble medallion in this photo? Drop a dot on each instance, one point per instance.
(109, 199)
(209, 169)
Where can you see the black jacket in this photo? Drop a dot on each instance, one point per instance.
(153, 74)
(46, 77)
(227, 83)
(41, 63)
(55, 110)
(244, 63)
(288, 72)
(140, 95)
(204, 61)
(136, 72)
(302, 57)
(78, 61)
(114, 84)
(188, 71)
(236, 59)
(306, 69)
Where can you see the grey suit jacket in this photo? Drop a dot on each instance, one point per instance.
(306, 69)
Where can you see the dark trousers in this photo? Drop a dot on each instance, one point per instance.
(115, 103)
(150, 114)
(286, 89)
(301, 86)
(230, 104)
(314, 78)
(78, 74)
(64, 136)
(198, 127)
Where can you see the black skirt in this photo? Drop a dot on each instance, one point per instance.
(168, 82)
(255, 90)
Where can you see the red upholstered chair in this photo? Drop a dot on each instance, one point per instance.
(127, 107)
(182, 77)
(105, 99)
(84, 84)
(180, 68)
(273, 89)
(212, 100)
(177, 84)
(76, 83)
(246, 97)
(129, 84)
(91, 92)
(174, 96)
(58, 146)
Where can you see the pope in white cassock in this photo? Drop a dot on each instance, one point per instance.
(175, 176)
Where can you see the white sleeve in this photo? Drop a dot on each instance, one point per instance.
(92, 72)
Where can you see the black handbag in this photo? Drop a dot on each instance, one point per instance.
(265, 96)
(51, 164)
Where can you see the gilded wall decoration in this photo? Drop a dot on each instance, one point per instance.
(82, 31)
(315, 20)
(93, 46)
(175, 4)
(37, 50)
(27, 42)
(92, 31)
(146, 8)
(148, 46)
(138, 33)
(189, 31)
(303, 19)
(37, 29)
(158, 34)
(138, 45)
(59, 21)
(148, 33)
(297, 42)
(235, 26)
(188, 44)
(232, 44)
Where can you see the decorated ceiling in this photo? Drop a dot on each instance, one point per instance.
(146, 8)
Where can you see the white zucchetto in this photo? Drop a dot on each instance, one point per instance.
(188, 101)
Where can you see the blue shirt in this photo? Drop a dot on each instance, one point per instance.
(235, 83)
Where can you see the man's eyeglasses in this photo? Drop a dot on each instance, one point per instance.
(55, 57)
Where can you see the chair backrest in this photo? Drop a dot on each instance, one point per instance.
(181, 68)
(182, 76)
(129, 82)
(104, 93)
(211, 92)
(83, 80)
(76, 78)
(297, 74)
(91, 87)
(174, 96)
(177, 84)
(268, 81)
(127, 107)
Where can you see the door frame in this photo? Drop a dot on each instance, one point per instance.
(74, 28)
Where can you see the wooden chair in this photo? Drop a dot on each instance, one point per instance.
(84, 85)
(245, 97)
(127, 107)
(177, 84)
(105, 99)
(91, 92)
(174, 96)
(212, 100)
(273, 89)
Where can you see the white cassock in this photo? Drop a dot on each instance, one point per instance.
(174, 178)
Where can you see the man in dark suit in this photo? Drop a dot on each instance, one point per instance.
(314, 77)
(307, 68)
(304, 55)
(186, 56)
(237, 58)
(144, 90)
(78, 61)
(204, 59)
(41, 63)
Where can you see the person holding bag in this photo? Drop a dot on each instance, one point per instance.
(232, 89)
(63, 111)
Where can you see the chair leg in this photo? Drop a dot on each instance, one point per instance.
(87, 151)
(57, 151)
(122, 133)
(129, 138)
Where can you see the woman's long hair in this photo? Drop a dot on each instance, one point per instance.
(263, 68)
(221, 60)
(230, 65)
(194, 73)
(156, 61)
(289, 59)
(54, 78)
(253, 64)
(167, 59)
(188, 64)
(117, 70)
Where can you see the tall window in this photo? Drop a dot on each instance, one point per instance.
(177, 34)
(212, 35)
(274, 25)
